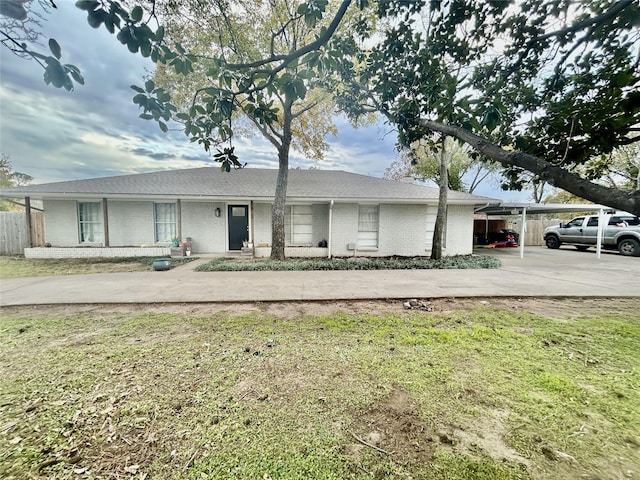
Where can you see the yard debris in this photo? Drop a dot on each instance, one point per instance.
(132, 469)
(34, 404)
(48, 463)
(556, 455)
(7, 427)
(370, 445)
(446, 439)
(415, 304)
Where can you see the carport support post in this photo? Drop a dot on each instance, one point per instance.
(600, 229)
(523, 229)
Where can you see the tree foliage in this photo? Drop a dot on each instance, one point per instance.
(20, 29)
(10, 178)
(259, 60)
(620, 168)
(422, 162)
(539, 86)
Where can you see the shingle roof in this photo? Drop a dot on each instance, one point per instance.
(248, 183)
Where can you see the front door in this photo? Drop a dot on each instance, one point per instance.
(238, 216)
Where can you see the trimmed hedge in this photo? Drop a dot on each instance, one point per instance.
(226, 264)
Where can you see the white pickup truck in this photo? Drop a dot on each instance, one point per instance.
(621, 232)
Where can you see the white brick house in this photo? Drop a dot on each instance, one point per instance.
(329, 213)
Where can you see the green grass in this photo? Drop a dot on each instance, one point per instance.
(482, 393)
(356, 263)
(12, 267)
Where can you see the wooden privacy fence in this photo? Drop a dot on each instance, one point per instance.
(535, 229)
(13, 232)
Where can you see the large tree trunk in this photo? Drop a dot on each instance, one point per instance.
(628, 201)
(279, 202)
(441, 217)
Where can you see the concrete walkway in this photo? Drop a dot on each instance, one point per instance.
(543, 272)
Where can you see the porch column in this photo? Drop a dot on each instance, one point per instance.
(27, 209)
(179, 219)
(105, 221)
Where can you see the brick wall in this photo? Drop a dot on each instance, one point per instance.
(261, 223)
(61, 222)
(401, 230)
(294, 252)
(93, 252)
(207, 231)
(130, 223)
(344, 229)
(459, 230)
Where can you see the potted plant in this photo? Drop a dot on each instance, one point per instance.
(175, 241)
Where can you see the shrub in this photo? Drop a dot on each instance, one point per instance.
(226, 264)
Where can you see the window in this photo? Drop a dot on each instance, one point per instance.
(630, 220)
(165, 216)
(576, 222)
(368, 226)
(238, 211)
(593, 222)
(89, 222)
(299, 225)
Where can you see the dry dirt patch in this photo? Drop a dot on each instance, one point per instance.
(547, 307)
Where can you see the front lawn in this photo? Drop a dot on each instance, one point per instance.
(504, 390)
(12, 267)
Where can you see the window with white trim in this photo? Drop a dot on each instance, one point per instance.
(368, 220)
(299, 225)
(165, 219)
(89, 222)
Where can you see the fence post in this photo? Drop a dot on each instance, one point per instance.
(27, 209)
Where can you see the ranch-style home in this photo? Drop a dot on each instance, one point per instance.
(328, 213)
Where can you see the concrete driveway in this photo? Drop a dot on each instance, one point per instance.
(543, 272)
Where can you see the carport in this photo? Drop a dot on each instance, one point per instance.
(524, 209)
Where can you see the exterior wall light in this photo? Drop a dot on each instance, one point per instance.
(218, 212)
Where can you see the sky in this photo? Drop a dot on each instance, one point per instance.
(94, 131)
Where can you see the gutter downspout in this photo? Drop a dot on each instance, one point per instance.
(330, 229)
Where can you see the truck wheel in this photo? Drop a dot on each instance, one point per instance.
(582, 248)
(629, 247)
(552, 242)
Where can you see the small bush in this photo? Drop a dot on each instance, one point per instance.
(392, 263)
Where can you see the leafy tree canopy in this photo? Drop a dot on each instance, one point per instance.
(235, 57)
(540, 86)
(220, 61)
(10, 178)
(19, 30)
(421, 162)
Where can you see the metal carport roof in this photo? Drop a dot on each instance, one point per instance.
(524, 209)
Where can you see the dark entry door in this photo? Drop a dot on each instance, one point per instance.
(238, 216)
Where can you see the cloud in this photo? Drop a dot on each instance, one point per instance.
(95, 131)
